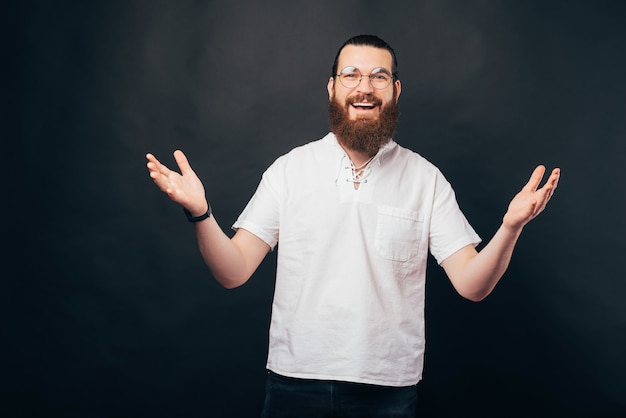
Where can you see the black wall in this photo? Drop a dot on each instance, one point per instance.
(107, 309)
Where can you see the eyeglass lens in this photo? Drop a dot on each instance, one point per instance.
(351, 77)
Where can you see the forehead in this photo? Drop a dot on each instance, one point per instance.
(364, 57)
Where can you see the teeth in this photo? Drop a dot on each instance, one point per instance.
(363, 104)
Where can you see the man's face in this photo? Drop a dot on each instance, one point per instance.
(363, 101)
(362, 117)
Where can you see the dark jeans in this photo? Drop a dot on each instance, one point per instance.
(304, 398)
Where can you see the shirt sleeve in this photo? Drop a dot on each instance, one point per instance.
(449, 230)
(261, 216)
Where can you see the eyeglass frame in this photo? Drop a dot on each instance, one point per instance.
(377, 70)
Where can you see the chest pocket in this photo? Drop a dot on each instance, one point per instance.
(398, 233)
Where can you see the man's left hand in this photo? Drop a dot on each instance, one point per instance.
(531, 201)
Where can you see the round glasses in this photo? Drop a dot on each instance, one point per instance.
(350, 77)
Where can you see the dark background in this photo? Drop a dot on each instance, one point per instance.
(107, 309)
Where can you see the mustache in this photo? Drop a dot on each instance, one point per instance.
(359, 98)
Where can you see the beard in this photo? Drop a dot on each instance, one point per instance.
(363, 135)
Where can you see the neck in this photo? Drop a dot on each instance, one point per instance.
(358, 158)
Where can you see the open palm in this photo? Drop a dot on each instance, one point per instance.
(185, 188)
(531, 201)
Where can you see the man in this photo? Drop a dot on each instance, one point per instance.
(356, 215)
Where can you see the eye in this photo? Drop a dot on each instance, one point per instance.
(380, 73)
(351, 76)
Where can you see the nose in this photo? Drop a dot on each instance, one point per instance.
(365, 84)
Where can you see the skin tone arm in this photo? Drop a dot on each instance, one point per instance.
(231, 260)
(475, 274)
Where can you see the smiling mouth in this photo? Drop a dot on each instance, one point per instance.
(364, 102)
(363, 105)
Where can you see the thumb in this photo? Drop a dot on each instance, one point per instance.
(182, 162)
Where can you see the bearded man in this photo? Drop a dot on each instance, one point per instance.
(356, 215)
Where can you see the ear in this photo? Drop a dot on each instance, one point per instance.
(398, 89)
(331, 88)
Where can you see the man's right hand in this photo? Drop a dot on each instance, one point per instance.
(185, 189)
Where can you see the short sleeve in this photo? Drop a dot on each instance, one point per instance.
(449, 229)
(261, 216)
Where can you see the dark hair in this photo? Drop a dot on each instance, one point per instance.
(368, 40)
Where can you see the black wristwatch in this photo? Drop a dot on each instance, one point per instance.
(195, 219)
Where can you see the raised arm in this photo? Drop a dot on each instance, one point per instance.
(231, 260)
(475, 274)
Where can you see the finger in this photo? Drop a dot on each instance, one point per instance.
(159, 173)
(154, 165)
(546, 194)
(182, 162)
(554, 177)
(550, 185)
(159, 178)
(152, 161)
(535, 179)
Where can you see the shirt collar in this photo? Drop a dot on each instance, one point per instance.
(379, 158)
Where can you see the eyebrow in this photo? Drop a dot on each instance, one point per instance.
(374, 70)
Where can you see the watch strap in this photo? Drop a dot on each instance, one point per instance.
(194, 219)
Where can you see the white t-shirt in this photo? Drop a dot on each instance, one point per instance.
(350, 281)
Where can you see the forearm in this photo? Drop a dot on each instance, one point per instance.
(479, 272)
(231, 260)
(474, 275)
(222, 255)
